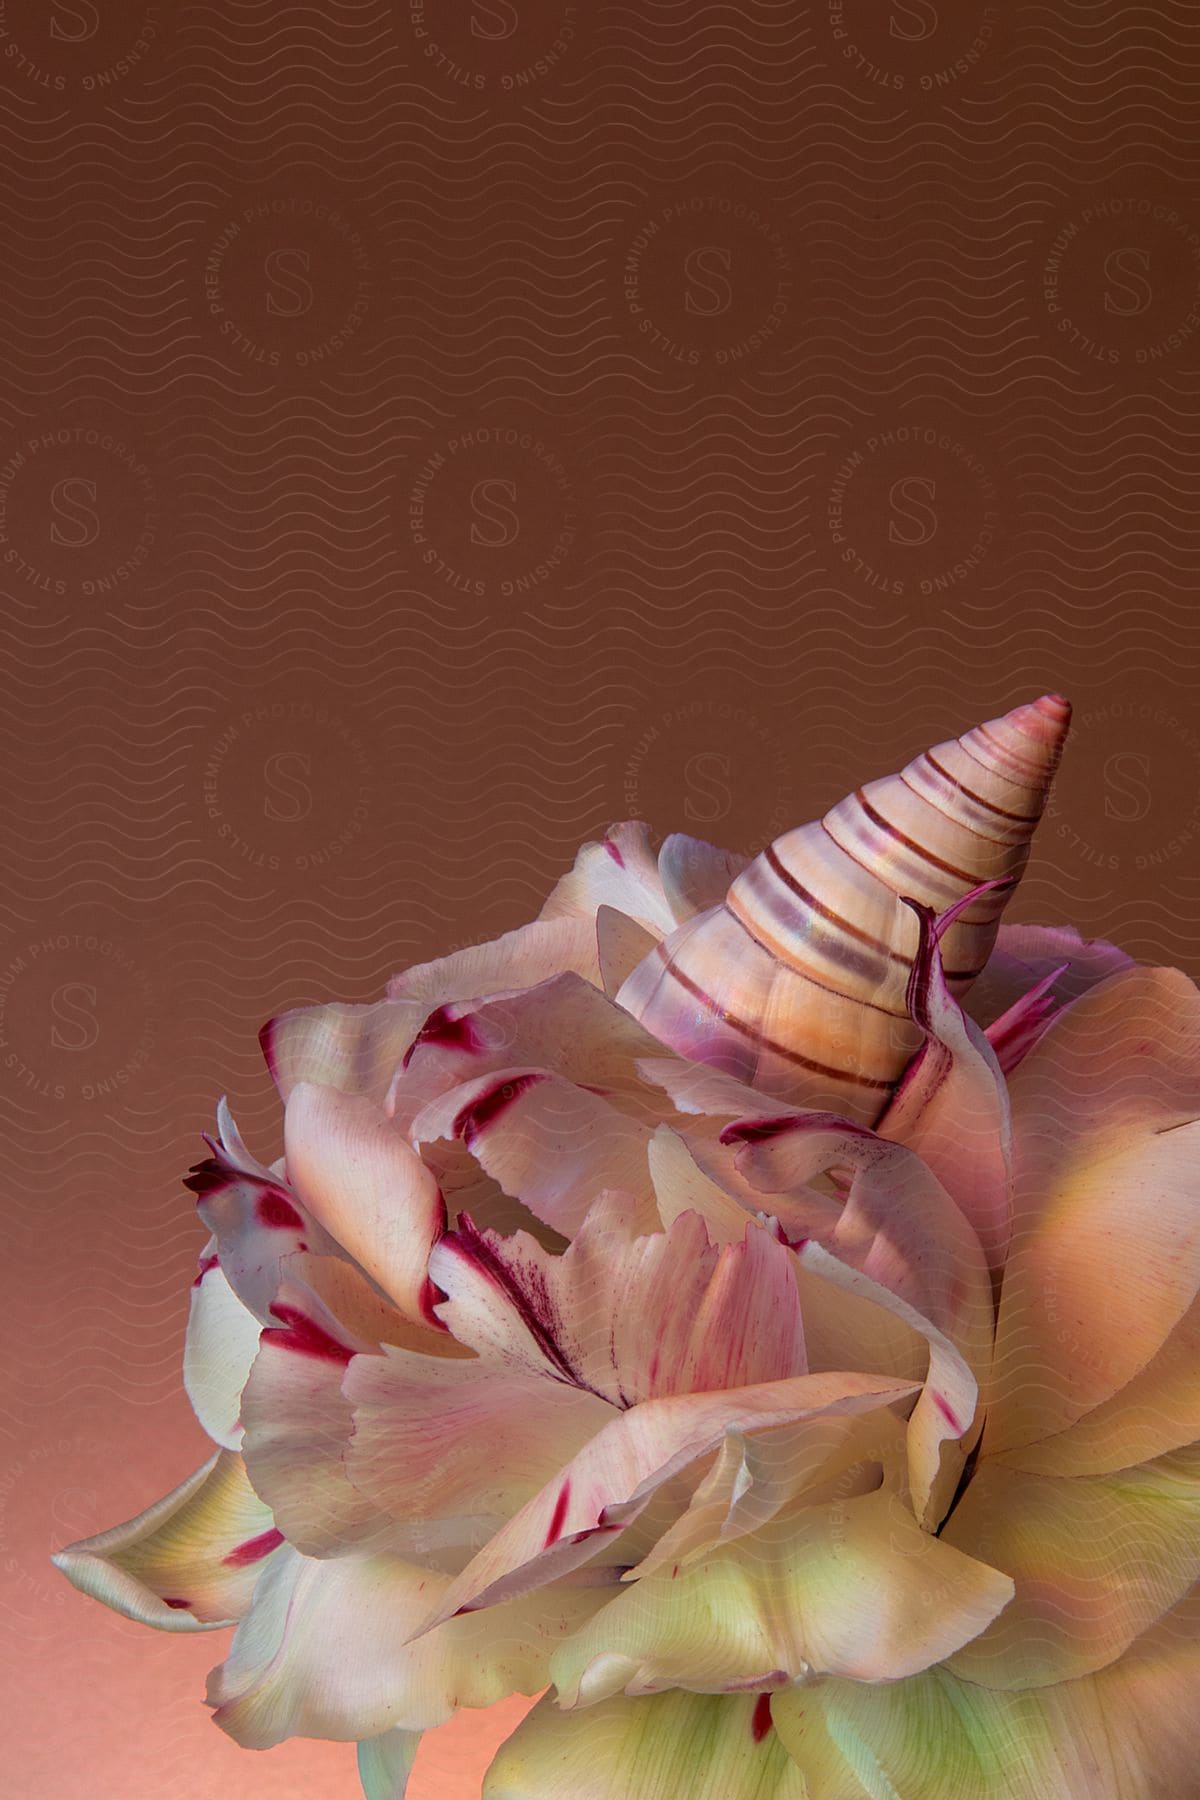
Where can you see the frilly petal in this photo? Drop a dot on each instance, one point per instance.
(1105, 1258)
(851, 1587)
(218, 1351)
(325, 1652)
(620, 872)
(626, 1317)
(611, 1480)
(660, 1748)
(356, 1174)
(1097, 1560)
(189, 1562)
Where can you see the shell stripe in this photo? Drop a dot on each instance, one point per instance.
(788, 959)
(1001, 812)
(893, 831)
(753, 1032)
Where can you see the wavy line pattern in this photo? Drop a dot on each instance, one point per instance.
(428, 433)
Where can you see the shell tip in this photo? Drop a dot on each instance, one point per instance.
(1045, 720)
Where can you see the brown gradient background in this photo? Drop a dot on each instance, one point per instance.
(431, 431)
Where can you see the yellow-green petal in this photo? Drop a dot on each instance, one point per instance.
(672, 1746)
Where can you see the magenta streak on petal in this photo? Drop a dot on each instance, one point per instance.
(760, 1722)
(275, 1210)
(947, 1413)
(1014, 1033)
(179, 1605)
(559, 1514)
(206, 1263)
(946, 919)
(208, 1177)
(615, 852)
(303, 1334)
(478, 1114)
(530, 1299)
(920, 976)
(443, 1029)
(254, 1549)
(755, 1131)
(431, 1296)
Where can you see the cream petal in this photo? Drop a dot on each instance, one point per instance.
(621, 944)
(853, 1587)
(1096, 1561)
(519, 959)
(189, 1562)
(359, 1048)
(945, 1409)
(627, 1317)
(220, 1346)
(385, 1764)
(548, 1143)
(257, 1221)
(1159, 1410)
(896, 1224)
(681, 1185)
(1127, 1733)
(1105, 1258)
(951, 1106)
(563, 1025)
(355, 1048)
(753, 1480)
(297, 1421)
(621, 872)
(325, 1652)
(613, 1477)
(364, 1183)
(696, 875)
(1025, 955)
(455, 1448)
(665, 1747)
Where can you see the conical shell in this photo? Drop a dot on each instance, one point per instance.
(796, 982)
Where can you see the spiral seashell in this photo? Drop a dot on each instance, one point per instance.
(796, 982)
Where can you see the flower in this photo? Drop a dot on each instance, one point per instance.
(792, 1455)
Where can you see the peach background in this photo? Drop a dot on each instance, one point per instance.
(430, 431)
